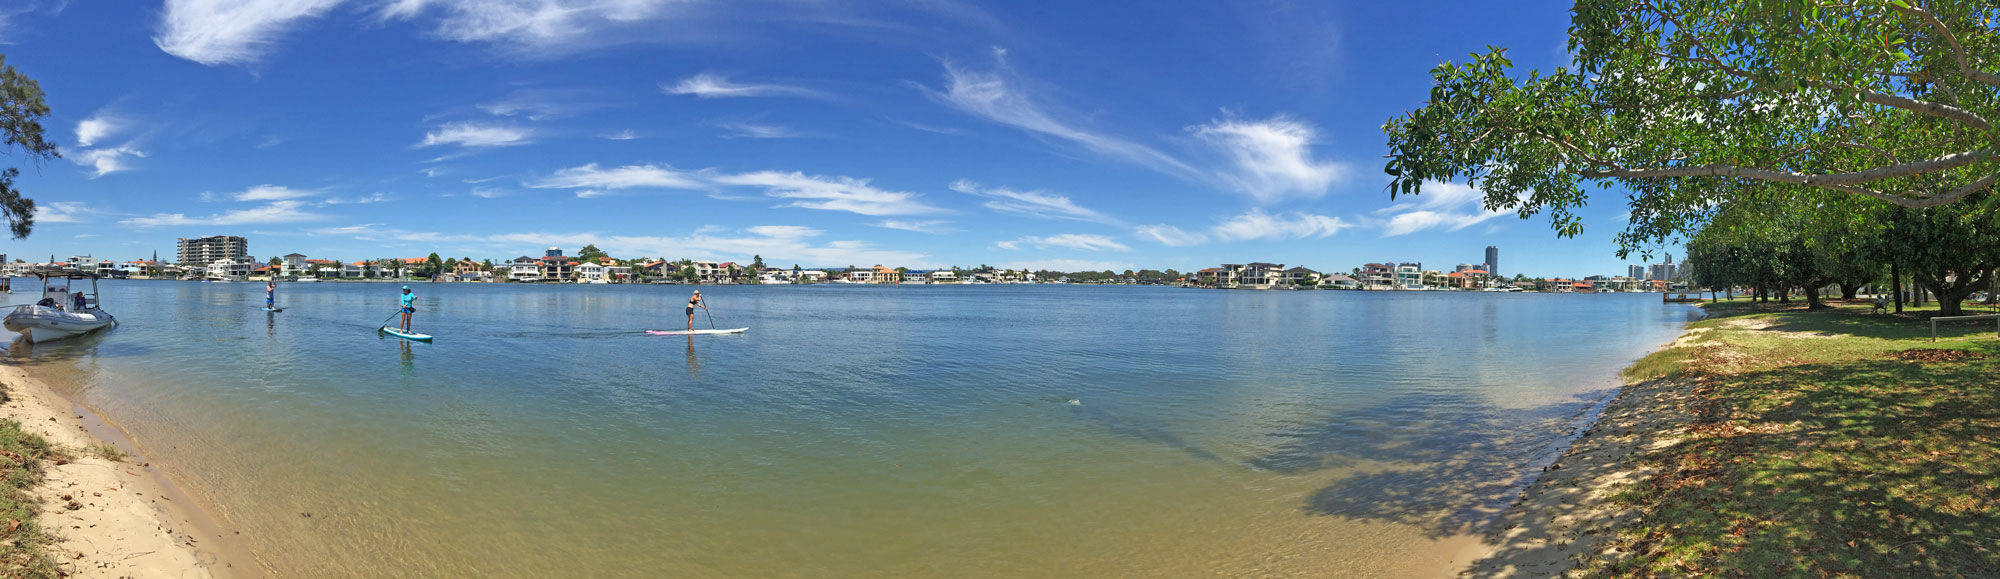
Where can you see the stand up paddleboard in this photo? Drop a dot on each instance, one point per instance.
(274, 309)
(406, 335)
(695, 332)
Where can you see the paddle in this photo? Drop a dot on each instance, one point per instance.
(711, 317)
(385, 323)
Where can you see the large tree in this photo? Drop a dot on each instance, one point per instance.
(1891, 100)
(21, 112)
(1950, 251)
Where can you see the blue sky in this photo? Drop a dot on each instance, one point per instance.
(1060, 135)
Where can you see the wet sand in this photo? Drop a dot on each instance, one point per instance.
(116, 519)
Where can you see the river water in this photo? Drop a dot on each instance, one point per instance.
(916, 431)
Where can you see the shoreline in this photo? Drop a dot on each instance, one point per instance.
(122, 518)
(1565, 516)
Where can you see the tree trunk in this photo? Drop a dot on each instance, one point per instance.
(1812, 297)
(1784, 294)
(1993, 286)
(1847, 290)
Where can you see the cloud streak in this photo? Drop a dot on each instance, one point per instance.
(474, 135)
(1270, 160)
(715, 86)
(995, 96)
(1077, 241)
(1031, 203)
(1255, 224)
(275, 212)
(219, 32)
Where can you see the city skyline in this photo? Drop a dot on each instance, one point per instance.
(964, 137)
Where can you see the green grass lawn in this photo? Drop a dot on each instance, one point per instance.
(1832, 443)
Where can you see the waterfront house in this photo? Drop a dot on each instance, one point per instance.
(944, 276)
(1261, 275)
(1217, 277)
(1378, 276)
(294, 265)
(555, 268)
(885, 275)
(1561, 285)
(1409, 277)
(524, 269)
(1300, 276)
(1582, 286)
(617, 273)
(590, 272)
(1338, 281)
(861, 276)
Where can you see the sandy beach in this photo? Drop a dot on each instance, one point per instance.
(1565, 517)
(115, 519)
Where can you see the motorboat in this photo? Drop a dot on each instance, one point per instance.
(306, 279)
(63, 312)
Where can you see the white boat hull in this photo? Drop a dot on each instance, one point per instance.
(42, 324)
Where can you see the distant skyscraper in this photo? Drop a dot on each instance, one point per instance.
(1635, 271)
(1493, 261)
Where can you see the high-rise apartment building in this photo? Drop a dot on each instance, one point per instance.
(1635, 271)
(1493, 261)
(206, 250)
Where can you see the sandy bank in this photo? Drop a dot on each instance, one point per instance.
(113, 519)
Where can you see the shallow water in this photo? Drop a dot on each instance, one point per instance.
(966, 431)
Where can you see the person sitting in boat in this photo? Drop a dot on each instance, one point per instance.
(694, 302)
(409, 307)
(47, 303)
(80, 303)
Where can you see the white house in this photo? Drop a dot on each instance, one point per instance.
(618, 273)
(524, 269)
(590, 272)
(294, 265)
(944, 276)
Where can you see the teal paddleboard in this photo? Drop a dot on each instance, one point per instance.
(274, 309)
(406, 335)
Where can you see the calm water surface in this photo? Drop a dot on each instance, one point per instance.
(966, 431)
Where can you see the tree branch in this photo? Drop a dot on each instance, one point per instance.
(1957, 50)
(1947, 162)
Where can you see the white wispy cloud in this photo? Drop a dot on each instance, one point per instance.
(540, 27)
(1450, 206)
(217, 32)
(737, 130)
(715, 86)
(592, 176)
(1169, 235)
(1078, 241)
(543, 104)
(824, 192)
(934, 226)
(995, 96)
(270, 193)
(625, 135)
(469, 134)
(274, 212)
(1031, 203)
(831, 193)
(1250, 225)
(787, 243)
(1066, 265)
(61, 212)
(1270, 160)
(1256, 224)
(108, 160)
(362, 200)
(98, 126)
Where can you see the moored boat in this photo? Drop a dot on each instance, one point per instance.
(62, 312)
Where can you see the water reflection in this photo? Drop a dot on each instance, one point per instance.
(694, 364)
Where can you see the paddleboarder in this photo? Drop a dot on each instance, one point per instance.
(409, 307)
(694, 302)
(271, 294)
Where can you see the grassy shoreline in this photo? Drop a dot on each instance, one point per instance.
(25, 550)
(1775, 441)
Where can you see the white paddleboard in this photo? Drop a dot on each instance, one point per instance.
(695, 332)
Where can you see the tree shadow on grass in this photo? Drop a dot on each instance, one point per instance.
(1870, 468)
(1445, 464)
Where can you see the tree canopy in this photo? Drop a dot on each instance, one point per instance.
(1891, 100)
(21, 112)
